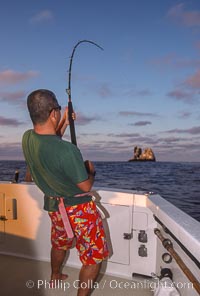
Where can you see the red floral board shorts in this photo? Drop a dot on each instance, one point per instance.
(88, 229)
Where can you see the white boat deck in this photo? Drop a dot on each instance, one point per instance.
(25, 277)
(26, 234)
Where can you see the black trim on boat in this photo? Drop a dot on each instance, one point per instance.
(178, 242)
(143, 275)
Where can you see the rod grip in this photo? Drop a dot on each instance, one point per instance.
(71, 123)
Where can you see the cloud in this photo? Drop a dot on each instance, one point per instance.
(107, 151)
(175, 61)
(9, 77)
(164, 60)
(42, 16)
(105, 91)
(124, 135)
(185, 114)
(198, 45)
(90, 134)
(170, 140)
(189, 92)
(144, 92)
(193, 81)
(192, 131)
(108, 145)
(141, 93)
(134, 113)
(13, 97)
(186, 63)
(9, 122)
(180, 95)
(154, 141)
(143, 140)
(141, 123)
(136, 138)
(83, 120)
(186, 18)
(11, 151)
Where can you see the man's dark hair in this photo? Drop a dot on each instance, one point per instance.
(40, 102)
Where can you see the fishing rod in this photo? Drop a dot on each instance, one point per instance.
(167, 244)
(68, 90)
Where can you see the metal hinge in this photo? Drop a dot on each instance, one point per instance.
(3, 218)
(128, 236)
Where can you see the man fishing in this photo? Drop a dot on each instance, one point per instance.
(58, 169)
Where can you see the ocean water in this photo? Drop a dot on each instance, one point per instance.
(179, 183)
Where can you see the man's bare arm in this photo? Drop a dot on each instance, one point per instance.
(87, 184)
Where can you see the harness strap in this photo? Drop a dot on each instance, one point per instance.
(65, 219)
(64, 215)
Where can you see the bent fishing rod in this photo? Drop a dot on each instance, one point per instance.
(68, 90)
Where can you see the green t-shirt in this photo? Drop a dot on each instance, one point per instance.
(56, 167)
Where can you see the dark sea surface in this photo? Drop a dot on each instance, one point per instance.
(179, 183)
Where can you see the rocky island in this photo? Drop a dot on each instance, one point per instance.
(147, 155)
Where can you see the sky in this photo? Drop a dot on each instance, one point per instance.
(142, 90)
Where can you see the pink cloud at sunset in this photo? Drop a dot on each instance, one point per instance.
(194, 80)
(13, 77)
(187, 18)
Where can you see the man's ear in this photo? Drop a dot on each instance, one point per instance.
(52, 115)
(55, 117)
